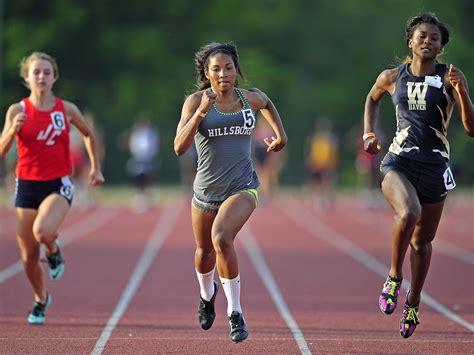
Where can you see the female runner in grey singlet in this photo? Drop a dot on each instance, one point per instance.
(220, 118)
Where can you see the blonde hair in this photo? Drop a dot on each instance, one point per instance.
(26, 62)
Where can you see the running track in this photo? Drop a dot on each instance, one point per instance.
(310, 284)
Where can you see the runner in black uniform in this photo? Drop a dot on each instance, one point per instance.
(415, 173)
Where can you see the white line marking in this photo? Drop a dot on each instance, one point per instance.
(258, 260)
(79, 229)
(320, 231)
(445, 247)
(160, 233)
(454, 251)
(225, 340)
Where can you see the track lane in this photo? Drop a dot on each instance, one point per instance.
(439, 323)
(163, 314)
(312, 275)
(448, 260)
(97, 269)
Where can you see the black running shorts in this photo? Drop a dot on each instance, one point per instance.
(431, 180)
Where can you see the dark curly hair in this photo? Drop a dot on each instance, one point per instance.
(430, 18)
(201, 61)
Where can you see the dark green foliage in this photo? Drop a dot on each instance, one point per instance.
(119, 58)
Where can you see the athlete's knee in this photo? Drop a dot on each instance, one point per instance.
(409, 216)
(421, 243)
(205, 253)
(222, 241)
(43, 233)
(421, 247)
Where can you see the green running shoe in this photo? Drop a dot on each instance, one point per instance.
(389, 295)
(410, 319)
(37, 314)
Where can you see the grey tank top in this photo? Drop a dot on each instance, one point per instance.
(223, 143)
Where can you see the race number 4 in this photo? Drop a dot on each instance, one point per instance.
(449, 179)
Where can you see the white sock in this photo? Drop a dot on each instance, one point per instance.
(232, 292)
(206, 284)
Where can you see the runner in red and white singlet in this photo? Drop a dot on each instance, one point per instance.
(43, 143)
(44, 191)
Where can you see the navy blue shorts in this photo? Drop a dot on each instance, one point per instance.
(431, 180)
(30, 193)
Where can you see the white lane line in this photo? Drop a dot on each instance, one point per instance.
(445, 247)
(160, 233)
(319, 230)
(225, 340)
(78, 230)
(454, 251)
(258, 261)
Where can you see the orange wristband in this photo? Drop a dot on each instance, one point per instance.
(368, 135)
(200, 113)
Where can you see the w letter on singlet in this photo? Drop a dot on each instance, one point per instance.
(416, 95)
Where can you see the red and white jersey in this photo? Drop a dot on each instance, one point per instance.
(43, 143)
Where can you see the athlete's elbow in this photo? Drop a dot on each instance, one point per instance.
(468, 127)
(3, 151)
(178, 149)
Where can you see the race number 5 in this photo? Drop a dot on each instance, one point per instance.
(449, 179)
(249, 118)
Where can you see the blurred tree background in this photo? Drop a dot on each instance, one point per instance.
(120, 58)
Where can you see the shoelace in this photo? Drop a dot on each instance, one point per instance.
(205, 306)
(38, 309)
(235, 321)
(394, 286)
(411, 314)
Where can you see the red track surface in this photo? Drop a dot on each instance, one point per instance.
(309, 279)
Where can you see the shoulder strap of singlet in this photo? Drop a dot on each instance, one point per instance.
(400, 69)
(242, 98)
(59, 104)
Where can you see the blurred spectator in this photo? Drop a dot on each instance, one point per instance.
(321, 162)
(267, 164)
(8, 175)
(3, 173)
(143, 144)
(368, 168)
